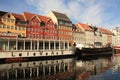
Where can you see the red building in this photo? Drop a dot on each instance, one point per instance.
(40, 27)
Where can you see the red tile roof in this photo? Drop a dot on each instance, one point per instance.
(109, 32)
(18, 16)
(44, 18)
(78, 29)
(28, 15)
(85, 26)
(103, 30)
(35, 18)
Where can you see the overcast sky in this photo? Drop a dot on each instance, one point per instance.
(102, 13)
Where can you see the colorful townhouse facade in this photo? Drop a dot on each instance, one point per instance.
(89, 34)
(106, 36)
(116, 36)
(42, 28)
(78, 35)
(55, 31)
(109, 37)
(12, 26)
(13, 23)
(97, 36)
(35, 32)
(64, 27)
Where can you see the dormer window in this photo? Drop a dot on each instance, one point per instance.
(55, 25)
(42, 23)
(12, 20)
(8, 16)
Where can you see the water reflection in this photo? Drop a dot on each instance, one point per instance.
(40, 70)
(86, 69)
(63, 69)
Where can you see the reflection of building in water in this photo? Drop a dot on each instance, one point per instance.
(51, 69)
(85, 69)
(116, 61)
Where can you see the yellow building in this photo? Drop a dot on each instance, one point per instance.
(13, 23)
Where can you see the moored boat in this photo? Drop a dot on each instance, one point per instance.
(22, 49)
(93, 51)
(117, 50)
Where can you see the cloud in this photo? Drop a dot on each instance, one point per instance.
(93, 14)
(87, 11)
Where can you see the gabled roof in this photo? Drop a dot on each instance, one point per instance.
(103, 30)
(86, 27)
(44, 18)
(28, 16)
(18, 16)
(78, 29)
(36, 20)
(109, 32)
(61, 16)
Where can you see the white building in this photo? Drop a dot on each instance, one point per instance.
(78, 35)
(116, 37)
(89, 34)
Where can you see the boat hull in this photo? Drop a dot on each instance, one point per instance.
(18, 56)
(94, 51)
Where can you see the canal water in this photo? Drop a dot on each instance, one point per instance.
(107, 68)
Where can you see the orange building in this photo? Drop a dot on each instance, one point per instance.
(64, 27)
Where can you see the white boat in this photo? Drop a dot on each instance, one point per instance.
(19, 49)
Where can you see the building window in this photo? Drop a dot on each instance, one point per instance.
(4, 19)
(28, 29)
(34, 30)
(42, 23)
(8, 27)
(12, 27)
(12, 20)
(40, 30)
(61, 22)
(24, 28)
(0, 26)
(31, 35)
(4, 26)
(8, 20)
(31, 29)
(16, 28)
